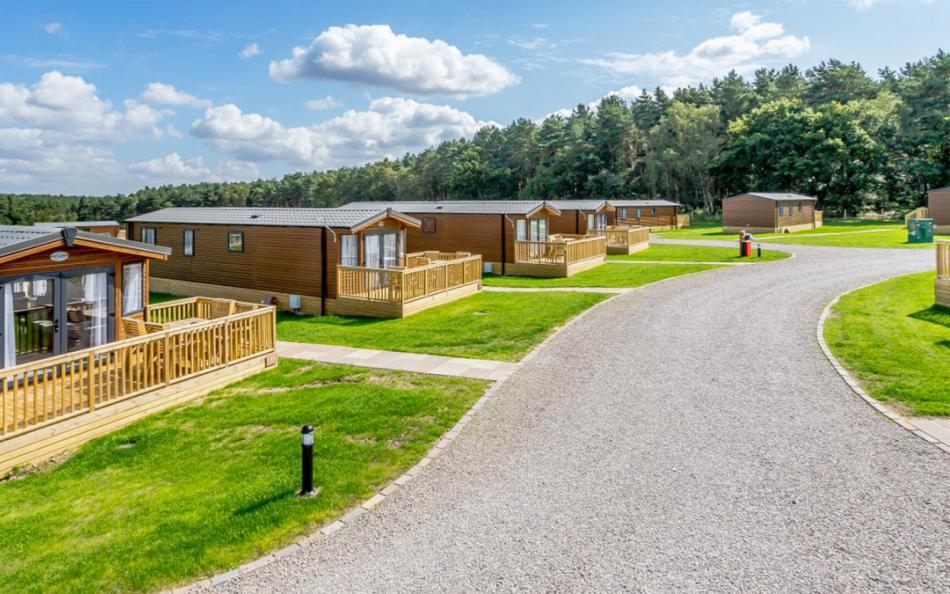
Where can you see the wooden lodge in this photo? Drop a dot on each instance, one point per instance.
(599, 218)
(657, 215)
(768, 212)
(938, 208)
(105, 227)
(316, 261)
(943, 273)
(514, 237)
(83, 351)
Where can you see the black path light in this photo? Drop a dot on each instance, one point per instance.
(306, 465)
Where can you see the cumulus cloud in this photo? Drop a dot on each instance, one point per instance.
(754, 40)
(327, 102)
(250, 50)
(55, 134)
(69, 108)
(628, 93)
(375, 55)
(163, 94)
(389, 128)
(172, 169)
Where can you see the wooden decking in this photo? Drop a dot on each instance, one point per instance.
(942, 288)
(625, 240)
(176, 358)
(425, 279)
(559, 256)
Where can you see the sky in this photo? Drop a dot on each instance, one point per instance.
(107, 97)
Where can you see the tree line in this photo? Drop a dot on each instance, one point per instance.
(856, 142)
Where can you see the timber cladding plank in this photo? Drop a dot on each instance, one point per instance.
(46, 442)
(943, 291)
(938, 205)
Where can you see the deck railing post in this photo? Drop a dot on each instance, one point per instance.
(90, 383)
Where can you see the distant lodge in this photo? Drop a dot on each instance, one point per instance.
(770, 212)
(938, 208)
(104, 227)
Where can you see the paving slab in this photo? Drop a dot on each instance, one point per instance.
(416, 362)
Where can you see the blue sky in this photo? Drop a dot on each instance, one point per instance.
(110, 96)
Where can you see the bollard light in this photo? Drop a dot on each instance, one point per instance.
(760, 249)
(306, 463)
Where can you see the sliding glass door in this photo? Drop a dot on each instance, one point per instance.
(381, 250)
(46, 315)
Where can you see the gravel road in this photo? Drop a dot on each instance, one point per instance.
(689, 436)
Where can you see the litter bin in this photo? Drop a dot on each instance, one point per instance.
(745, 248)
(920, 231)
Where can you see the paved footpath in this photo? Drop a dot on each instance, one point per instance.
(690, 436)
(434, 364)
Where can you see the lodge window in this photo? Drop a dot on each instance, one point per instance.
(781, 210)
(623, 213)
(428, 224)
(639, 213)
(349, 250)
(236, 241)
(653, 211)
(147, 235)
(188, 242)
(133, 289)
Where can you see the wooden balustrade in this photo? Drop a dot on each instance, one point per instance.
(403, 285)
(560, 249)
(918, 213)
(819, 218)
(58, 387)
(624, 236)
(943, 259)
(191, 308)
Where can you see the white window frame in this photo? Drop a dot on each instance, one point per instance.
(188, 243)
(349, 250)
(138, 306)
(147, 235)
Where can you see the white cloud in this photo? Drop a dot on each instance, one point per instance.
(374, 55)
(57, 63)
(250, 50)
(389, 128)
(163, 94)
(626, 93)
(327, 102)
(69, 108)
(55, 135)
(754, 40)
(52, 28)
(172, 169)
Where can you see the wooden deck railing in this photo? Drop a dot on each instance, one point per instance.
(943, 259)
(682, 221)
(624, 236)
(560, 249)
(918, 213)
(427, 275)
(58, 387)
(819, 218)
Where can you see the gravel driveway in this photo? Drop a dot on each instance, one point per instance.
(685, 437)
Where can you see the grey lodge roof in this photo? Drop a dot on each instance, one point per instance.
(77, 224)
(636, 203)
(514, 207)
(14, 238)
(780, 196)
(273, 217)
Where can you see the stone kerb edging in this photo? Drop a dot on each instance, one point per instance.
(901, 420)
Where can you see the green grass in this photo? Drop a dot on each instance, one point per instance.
(897, 342)
(156, 298)
(503, 326)
(202, 488)
(610, 276)
(848, 233)
(664, 252)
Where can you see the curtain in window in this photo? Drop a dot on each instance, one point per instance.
(371, 251)
(350, 250)
(132, 285)
(542, 229)
(96, 292)
(9, 334)
(189, 242)
(522, 230)
(390, 250)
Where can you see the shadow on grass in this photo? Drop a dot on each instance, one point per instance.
(936, 314)
(944, 343)
(259, 505)
(342, 321)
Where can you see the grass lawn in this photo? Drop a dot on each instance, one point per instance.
(896, 342)
(156, 298)
(847, 233)
(202, 488)
(663, 252)
(611, 276)
(503, 326)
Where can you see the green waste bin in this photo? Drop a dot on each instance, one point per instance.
(920, 231)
